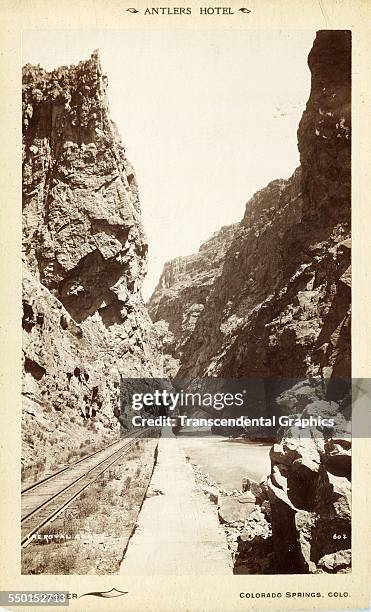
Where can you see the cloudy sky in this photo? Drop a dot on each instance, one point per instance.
(207, 119)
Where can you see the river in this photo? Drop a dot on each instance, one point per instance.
(227, 461)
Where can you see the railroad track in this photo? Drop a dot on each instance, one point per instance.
(44, 500)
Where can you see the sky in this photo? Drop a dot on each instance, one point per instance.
(207, 119)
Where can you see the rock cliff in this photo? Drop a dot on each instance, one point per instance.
(84, 258)
(280, 309)
(309, 486)
(309, 492)
(183, 291)
(280, 305)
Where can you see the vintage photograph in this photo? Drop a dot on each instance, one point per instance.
(186, 225)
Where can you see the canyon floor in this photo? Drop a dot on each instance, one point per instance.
(157, 509)
(178, 531)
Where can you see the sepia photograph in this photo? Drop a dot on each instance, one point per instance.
(186, 225)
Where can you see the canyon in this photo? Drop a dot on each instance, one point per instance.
(279, 305)
(182, 292)
(278, 309)
(266, 298)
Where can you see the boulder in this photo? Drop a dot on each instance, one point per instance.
(337, 562)
(254, 487)
(338, 457)
(304, 523)
(255, 554)
(232, 509)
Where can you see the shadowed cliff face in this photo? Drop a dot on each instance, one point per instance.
(84, 248)
(281, 306)
(325, 130)
(183, 291)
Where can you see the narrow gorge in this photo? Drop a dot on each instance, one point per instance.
(266, 298)
(275, 304)
(278, 298)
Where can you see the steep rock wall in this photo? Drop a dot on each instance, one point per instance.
(84, 255)
(281, 307)
(182, 292)
(309, 488)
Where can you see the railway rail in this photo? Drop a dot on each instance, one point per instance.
(45, 499)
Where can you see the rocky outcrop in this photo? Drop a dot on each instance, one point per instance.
(309, 485)
(245, 518)
(84, 254)
(182, 292)
(280, 310)
(309, 491)
(281, 307)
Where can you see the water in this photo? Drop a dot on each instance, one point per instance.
(226, 461)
